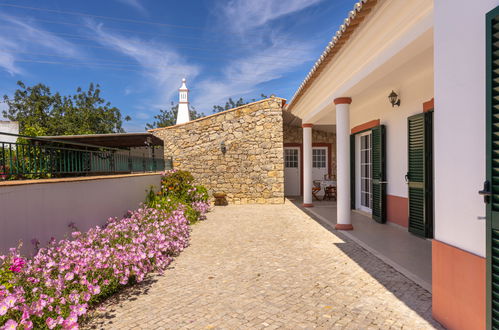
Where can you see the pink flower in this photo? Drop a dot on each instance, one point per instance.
(51, 323)
(71, 322)
(87, 296)
(27, 324)
(81, 309)
(69, 276)
(10, 301)
(10, 324)
(17, 265)
(3, 309)
(94, 289)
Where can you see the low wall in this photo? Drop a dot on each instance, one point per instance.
(43, 209)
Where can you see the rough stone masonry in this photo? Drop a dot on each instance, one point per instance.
(251, 170)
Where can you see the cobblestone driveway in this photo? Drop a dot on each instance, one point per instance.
(271, 266)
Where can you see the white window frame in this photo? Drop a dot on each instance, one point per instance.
(358, 177)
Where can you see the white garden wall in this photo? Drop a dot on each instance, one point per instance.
(44, 210)
(460, 122)
(11, 127)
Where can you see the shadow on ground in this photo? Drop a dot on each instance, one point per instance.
(104, 313)
(411, 294)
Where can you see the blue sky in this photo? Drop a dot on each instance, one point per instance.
(139, 50)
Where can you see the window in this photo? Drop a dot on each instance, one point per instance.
(291, 158)
(319, 158)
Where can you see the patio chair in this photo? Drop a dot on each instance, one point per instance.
(315, 189)
(330, 193)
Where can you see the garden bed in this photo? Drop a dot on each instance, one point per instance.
(56, 288)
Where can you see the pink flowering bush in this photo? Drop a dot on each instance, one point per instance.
(56, 288)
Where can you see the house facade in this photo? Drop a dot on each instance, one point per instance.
(410, 87)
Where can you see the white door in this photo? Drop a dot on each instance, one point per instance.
(363, 145)
(319, 165)
(292, 171)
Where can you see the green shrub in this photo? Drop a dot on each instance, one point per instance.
(177, 183)
(178, 192)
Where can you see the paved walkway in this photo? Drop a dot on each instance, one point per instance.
(271, 266)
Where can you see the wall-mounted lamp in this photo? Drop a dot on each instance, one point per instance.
(223, 148)
(394, 99)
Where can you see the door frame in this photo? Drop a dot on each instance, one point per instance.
(357, 166)
(300, 146)
(300, 171)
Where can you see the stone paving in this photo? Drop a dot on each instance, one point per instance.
(270, 266)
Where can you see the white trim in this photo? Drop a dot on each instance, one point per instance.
(358, 183)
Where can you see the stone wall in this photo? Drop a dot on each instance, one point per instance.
(293, 134)
(252, 169)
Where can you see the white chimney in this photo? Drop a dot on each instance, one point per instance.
(183, 104)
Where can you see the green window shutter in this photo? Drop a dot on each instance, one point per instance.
(492, 161)
(379, 174)
(352, 171)
(420, 173)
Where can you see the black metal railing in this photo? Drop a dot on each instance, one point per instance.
(34, 157)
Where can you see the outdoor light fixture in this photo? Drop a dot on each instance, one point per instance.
(394, 99)
(223, 148)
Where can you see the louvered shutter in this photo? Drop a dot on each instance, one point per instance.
(492, 134)
(420, 174)
(378, 174)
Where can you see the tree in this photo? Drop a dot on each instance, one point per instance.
(167, 118)
(230, 104)
(39, 112)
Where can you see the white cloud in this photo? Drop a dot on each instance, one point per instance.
(244, 75)
(142, 115)
(159, 63)
(7, 61)
(25, 38)
(134, 4)
(273, 53)
(245, 15)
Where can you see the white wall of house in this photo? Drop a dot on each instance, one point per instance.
(414, 84)
(460, 122)
(44, 210)
(11, 127)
